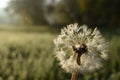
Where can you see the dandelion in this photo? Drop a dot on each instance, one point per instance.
(80, 49)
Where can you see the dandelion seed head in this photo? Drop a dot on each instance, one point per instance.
(80, 49)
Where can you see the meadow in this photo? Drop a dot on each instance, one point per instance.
(26, 53)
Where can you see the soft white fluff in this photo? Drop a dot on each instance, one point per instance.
(74, 35)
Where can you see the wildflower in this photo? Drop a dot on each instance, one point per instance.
(79, 49)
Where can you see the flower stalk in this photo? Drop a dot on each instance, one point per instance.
(73, 76)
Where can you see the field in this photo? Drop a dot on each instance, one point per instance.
(26, 53)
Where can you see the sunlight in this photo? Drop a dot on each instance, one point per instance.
(3, 3)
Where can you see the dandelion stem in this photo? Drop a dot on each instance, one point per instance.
(73, 76)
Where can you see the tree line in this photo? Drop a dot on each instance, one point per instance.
(42, 12)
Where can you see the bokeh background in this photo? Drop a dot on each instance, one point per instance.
(28, 27)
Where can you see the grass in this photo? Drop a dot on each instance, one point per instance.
(26, 53)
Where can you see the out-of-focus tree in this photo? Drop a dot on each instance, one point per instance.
(41, 11)
(93, 12)
(100, 12)
(60, 11)
(30, 11)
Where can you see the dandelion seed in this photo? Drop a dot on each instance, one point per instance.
(79, 49)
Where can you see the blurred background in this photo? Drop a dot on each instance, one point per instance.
(28, 27)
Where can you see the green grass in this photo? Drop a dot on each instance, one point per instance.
(26, 53)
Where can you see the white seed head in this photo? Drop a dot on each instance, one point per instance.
(71, 43)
